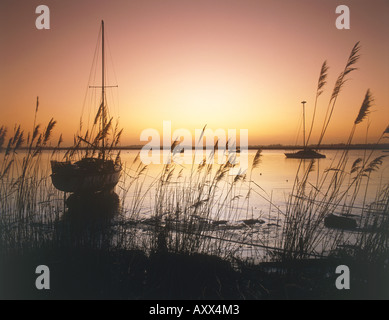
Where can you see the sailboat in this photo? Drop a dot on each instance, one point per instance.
(307, 152)
(96, 171)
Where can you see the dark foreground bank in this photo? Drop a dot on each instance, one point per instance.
(133, 275)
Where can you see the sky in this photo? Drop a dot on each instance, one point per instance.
(229, 64)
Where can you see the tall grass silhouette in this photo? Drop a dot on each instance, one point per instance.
(199, 211)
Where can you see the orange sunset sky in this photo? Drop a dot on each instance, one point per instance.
(231, 64)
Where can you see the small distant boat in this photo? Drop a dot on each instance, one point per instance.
(95, 171)
(306, 153)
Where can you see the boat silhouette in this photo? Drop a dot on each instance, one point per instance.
(96, 171)
(307, 152)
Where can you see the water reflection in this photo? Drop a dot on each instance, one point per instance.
(88, 218)
(88, 207)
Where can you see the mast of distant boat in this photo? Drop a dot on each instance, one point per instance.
(304, 102)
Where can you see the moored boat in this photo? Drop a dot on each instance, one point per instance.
(307, 152)
(95, 171)
(89, 175)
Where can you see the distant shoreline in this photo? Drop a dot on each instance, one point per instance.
(255, 147)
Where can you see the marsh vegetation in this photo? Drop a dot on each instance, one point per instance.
(198, 236)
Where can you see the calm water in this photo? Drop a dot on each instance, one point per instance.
(271, 185)
(274, 177)
(272, 180)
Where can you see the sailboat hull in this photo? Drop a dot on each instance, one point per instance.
(305, 154)
(71, 178)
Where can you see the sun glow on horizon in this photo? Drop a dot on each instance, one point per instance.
(224, 64)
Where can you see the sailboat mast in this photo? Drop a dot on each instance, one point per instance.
(103, 120)
(304, 102)
(102, 60)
